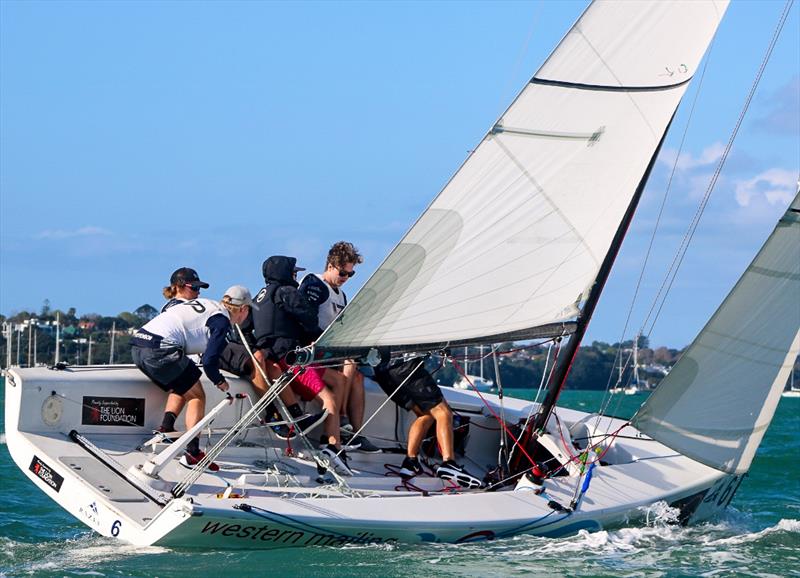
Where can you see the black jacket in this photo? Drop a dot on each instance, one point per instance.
(284, 319)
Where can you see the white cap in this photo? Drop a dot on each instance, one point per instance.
(239, 295)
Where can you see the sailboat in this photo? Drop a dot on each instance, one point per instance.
(541, 207)
(473, 382)
(633, 387)
(791, 390)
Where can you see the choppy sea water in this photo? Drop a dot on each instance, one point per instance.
(759, 535)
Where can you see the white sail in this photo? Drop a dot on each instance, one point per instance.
(716, 403)
(515, 239)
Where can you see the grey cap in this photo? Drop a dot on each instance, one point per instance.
(239, 295)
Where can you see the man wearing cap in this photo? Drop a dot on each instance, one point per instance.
(184, 284)
(161, 348)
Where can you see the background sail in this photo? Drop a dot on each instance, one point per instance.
(716, 403)
(514, 241)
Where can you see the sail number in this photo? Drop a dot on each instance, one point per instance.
(722, 493)
(115, 528)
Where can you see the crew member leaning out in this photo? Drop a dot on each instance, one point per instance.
(161, 348)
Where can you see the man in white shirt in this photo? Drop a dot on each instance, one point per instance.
(325, 291)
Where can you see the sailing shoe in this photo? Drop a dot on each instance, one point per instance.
(345, 428)
(189, 461)
(450, 470)
(410, 468)
(339, 463)
(363, 444)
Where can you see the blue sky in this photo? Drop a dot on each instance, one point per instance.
(136, 137)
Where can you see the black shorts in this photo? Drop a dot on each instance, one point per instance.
(167, 367)
(420, 389)
(234, 358)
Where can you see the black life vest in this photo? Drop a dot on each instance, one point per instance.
(271, 321)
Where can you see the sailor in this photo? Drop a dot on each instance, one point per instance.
(419, 392)
(325, 291)
(244, 359)
(284, 320)
(184, 284)
(161, 348)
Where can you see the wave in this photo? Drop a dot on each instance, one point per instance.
(78, 555)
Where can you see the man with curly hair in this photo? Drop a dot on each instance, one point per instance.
(325, 291)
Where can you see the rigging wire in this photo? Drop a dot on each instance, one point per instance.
(606, 398)
(680, 254)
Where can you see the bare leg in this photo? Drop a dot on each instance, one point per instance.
(337, 381)
(195, 405)
(274, 371)
(444, 429)
(175, 403)
(328, 400)
(354, 405)
(257, 378)
(417, 431)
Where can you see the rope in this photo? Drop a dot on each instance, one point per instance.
(388, 399)
(187, 482)
(320, 460)
(502, 424)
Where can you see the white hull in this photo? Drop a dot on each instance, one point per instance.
(109, 493)
(474, 382)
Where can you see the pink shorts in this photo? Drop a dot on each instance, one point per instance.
(308, 384)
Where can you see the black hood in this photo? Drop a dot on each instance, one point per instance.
(279, 269)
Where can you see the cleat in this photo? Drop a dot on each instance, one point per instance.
(338, 463)
(410, 468)
(189, 461)
(450, 470)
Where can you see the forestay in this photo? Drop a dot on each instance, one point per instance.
(716, 403)
(512, 244)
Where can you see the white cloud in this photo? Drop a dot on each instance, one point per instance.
(88, 231)
(709, 156)
(775, 186)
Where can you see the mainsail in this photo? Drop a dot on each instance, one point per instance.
(512, 245)
(716, 403)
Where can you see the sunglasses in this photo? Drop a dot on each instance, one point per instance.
(343, 273)
(193, 287)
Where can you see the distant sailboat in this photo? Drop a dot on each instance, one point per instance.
(791, 391)
(473, 382)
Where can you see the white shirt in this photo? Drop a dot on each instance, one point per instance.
(184, 324)
(330, 308)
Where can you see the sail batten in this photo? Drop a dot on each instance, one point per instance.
(518, 235)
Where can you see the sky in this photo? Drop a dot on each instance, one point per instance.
(138, 137)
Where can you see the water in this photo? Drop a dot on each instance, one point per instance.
(758, 536)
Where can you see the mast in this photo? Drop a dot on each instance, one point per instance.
(30, 342)
(111, 351)
(58, 338)
(561, 371)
